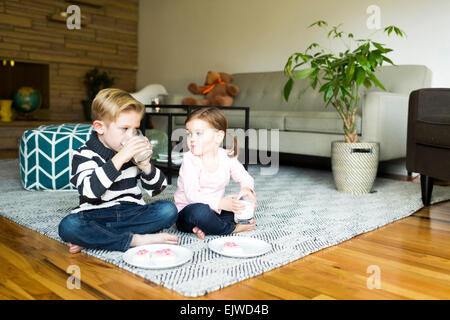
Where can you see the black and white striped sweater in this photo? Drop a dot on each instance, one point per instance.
(101, 185)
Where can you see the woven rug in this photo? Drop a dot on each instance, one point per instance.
(299, 212)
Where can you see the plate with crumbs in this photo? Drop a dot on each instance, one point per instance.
(157, 256)
(239, 247)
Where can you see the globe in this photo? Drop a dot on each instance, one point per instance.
(159, 141)
(27, 99)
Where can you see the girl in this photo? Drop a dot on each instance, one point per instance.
(204, 174)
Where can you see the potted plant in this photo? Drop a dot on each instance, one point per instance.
(339, 76)
(95, 81)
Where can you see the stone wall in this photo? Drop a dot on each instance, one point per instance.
(108, 41)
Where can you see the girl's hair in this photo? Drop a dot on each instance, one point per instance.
(110, 102)
(217, 120)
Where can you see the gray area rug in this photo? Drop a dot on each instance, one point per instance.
(299, 212)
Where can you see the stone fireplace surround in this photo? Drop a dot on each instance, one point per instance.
(23, 74)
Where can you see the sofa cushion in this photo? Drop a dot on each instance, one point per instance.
(433, 131)
(46, 155)
(310, 121)
(264, 91)
(306, 121)
(258, 119)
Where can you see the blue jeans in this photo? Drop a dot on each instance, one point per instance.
(202, 216)
(113, 228)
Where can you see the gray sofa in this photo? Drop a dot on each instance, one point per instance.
(306, 127)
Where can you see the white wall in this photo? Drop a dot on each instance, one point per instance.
(180, 40)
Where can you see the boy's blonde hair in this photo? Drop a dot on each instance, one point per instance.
(110, 102)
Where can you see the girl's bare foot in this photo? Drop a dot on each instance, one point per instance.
(200, 234)
(73, 248)
(245, 227)
(143, 239)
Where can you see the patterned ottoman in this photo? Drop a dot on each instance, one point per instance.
(46, 155)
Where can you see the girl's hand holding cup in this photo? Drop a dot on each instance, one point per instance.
(247, 197)
(231, 203)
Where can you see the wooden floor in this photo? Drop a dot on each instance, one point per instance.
(410, 258)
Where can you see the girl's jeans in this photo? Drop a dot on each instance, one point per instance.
(113, 228)
(202, 216)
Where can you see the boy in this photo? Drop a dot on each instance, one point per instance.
(112, 214)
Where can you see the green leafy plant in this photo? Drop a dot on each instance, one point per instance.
(340, 75)
(95, 81)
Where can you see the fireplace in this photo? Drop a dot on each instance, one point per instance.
(16, 74)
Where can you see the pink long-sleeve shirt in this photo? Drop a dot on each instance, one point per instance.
(197, 185)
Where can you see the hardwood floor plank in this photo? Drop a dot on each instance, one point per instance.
(16, 291)
(31, 288)
(240, 291)
(395, 276)
(97, 276)
(265, 284)
(333, 280)
(384, 250)
(323, 297)
(433, 247)
(436, 215)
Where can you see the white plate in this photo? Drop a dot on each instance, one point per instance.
(251, 247)
(183, 255)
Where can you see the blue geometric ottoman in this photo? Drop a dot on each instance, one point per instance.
(46, 155)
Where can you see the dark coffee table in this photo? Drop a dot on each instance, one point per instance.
(164, 111)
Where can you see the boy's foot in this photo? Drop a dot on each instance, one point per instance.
(200, 234)
(244, 227)
(73, 248)
(153, 238)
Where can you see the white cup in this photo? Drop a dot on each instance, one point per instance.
(141, 156)
(246, 215)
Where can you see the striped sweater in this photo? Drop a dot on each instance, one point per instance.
(101, 185)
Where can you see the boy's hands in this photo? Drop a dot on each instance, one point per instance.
(133, 146)
(145, 165)
(231, 203)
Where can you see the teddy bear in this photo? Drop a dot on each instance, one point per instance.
(218, 91)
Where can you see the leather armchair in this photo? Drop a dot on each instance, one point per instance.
(428, 137)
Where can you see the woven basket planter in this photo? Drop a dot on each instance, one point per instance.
(354, 165)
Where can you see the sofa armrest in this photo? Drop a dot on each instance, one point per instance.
(384, 120)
